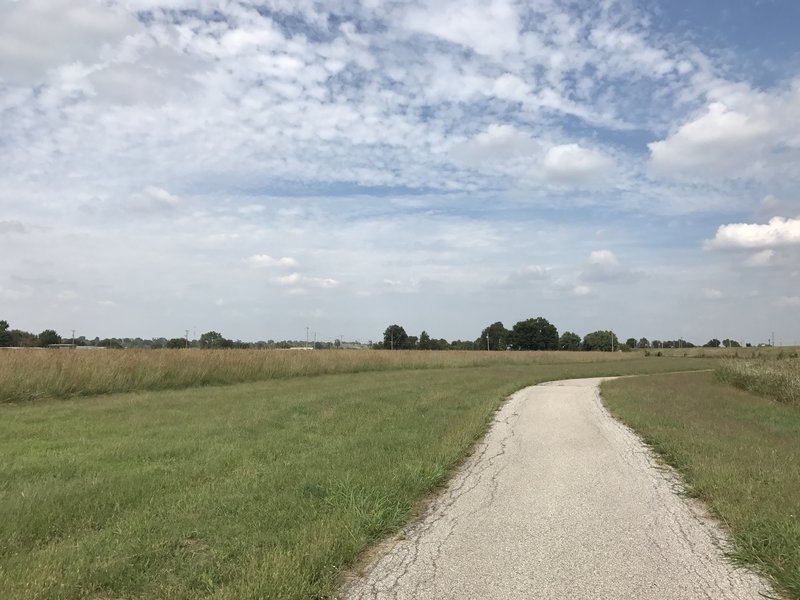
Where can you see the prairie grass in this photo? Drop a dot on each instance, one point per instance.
(33, 374)
(738, 452)
(258, 490)
(776, 379)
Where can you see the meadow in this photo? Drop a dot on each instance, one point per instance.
(264, 489)
(33, 374)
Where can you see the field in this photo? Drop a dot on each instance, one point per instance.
(266, 489)
(738, 452)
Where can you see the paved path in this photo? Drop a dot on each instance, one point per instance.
(559, 501)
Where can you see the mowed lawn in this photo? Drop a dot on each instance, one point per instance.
(257, 490)
(738, 452)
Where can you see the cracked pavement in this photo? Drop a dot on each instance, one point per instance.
(559, 500)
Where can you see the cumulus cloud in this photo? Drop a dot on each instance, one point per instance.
(297, 279)
(759, 259)
(741, 134)
(266, 261)
(604, 267)
(572, 164)
(777, 232)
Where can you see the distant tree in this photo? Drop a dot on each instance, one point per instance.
(712, 343)
(600, 340)
(114, 343)
(412, 342)
(534, 334)
(395, 338)
(424, 341)
(176, 343)
(5, 334)
(643, 343)
(214, 339)
(460, 345)
(48, 336)
(569, 341)
(25, 339)
(657, 344)
(497, 335)
(630, 343)
(731, 343)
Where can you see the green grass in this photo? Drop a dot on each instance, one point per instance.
(257, 490)
(738, 452)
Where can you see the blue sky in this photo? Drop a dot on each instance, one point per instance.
(258, 167)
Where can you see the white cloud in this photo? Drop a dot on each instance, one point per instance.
(297, 279)
(572, 164)
(581, 290)
(742, 133)
(604, 267)
(490, 28)
(711, 294)
(266, 261)
(38, 35)
(759, 259)
(603, 257)
(789, 301)
(777, 232)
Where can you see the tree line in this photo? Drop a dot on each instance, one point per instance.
(531, 334)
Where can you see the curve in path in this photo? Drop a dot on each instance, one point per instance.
(559, 501)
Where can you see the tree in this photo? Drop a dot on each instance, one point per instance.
(643, 343)
(395, 338)
(631, 343)
(176, 343)
(424, 341)
(213, 339)
(569, 341)
(600, 340)
(731, 343)
(48, 336)
(496, 334)
(5, 335)
(712, 343)
(534, 334)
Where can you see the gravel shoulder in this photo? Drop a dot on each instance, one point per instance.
(559, 500)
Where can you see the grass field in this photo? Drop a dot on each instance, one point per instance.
(256, 490)
(33, 374)
(738, 452)
(778, 379)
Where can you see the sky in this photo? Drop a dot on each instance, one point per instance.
(256, 168)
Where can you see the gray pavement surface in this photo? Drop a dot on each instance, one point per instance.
(558, 501)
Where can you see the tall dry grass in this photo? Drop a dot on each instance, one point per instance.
(33, 374)
(778, 378)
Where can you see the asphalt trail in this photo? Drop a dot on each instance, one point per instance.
(559, 501)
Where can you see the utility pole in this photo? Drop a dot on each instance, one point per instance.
(187, 338)
(73, 338)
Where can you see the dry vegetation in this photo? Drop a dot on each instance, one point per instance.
(34, 374)
(777, 378)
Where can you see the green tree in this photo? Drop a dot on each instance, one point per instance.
(731, 343)
(176, 343)
(569, 341)
(603, 341)
(48, 336)
(5, 334)
(630, 343)
(712, 343)
(494, 337)
(424, 341)
(534, 334)
(643, 343)
(213, 339)
(395, 338)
